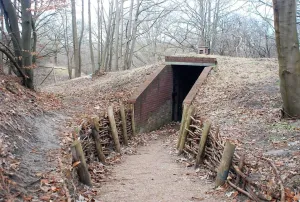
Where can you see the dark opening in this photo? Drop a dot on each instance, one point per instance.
(184, 78)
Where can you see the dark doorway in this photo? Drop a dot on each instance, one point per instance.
(184, 78)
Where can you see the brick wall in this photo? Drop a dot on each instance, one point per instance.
(153, 100)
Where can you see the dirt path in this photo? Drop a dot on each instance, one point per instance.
(154, 175)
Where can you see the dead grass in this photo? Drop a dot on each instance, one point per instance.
(242, 96)
(92, 96)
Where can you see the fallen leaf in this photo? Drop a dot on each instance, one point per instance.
(76, 164)
(297, 197)
(45, 198)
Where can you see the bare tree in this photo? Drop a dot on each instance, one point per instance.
(26, 41)
(22, 45)
(81, 34)
(75, 41)
(288, 55)
(90, 37)
(99, 35)
(116, 47)
(128, 35)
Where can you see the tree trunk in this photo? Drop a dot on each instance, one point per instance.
(105, 54)
(121, 32)
(128, 35)
(99, 23)
(288, 55)
(133, 36)
(81, 34)
(12, 27)
(90, 37)
(34, 34)
(214, 26)
(117, 24)
(26, 42)
(75, 40)
(66, 44)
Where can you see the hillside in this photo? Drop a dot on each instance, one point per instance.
(92, 96)
(240, 95)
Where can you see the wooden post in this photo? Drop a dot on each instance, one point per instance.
(95, 133)
(132, 120)
(124, 124)
(82, 169)
(225, 164)
(187, 123)
(241, 164)
(201, 149)
(113, 128)
(183, 119)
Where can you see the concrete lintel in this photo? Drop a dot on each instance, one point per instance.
(190, 64)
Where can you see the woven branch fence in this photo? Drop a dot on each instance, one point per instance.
(101, 135)
(203, 143)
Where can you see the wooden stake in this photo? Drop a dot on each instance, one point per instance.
(124, 124)
(240, 167)
(132, 120)
(82, 169)
(202, 143)
(113, 128)
(95, 133)
(187, 123)
(183, 119)
(224, 166)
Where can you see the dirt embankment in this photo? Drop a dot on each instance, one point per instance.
(242, 96)
(29, 143)
(92, 96)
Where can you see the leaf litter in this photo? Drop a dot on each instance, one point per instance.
(242, 96)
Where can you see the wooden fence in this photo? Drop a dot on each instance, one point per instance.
(101, 135)
(202, 142)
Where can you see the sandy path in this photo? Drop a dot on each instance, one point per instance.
(153, 175)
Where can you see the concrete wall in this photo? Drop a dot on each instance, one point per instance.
(153, 100)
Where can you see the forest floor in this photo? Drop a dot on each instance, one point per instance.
(241, 95)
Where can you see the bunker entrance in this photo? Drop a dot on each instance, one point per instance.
(184, 77)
